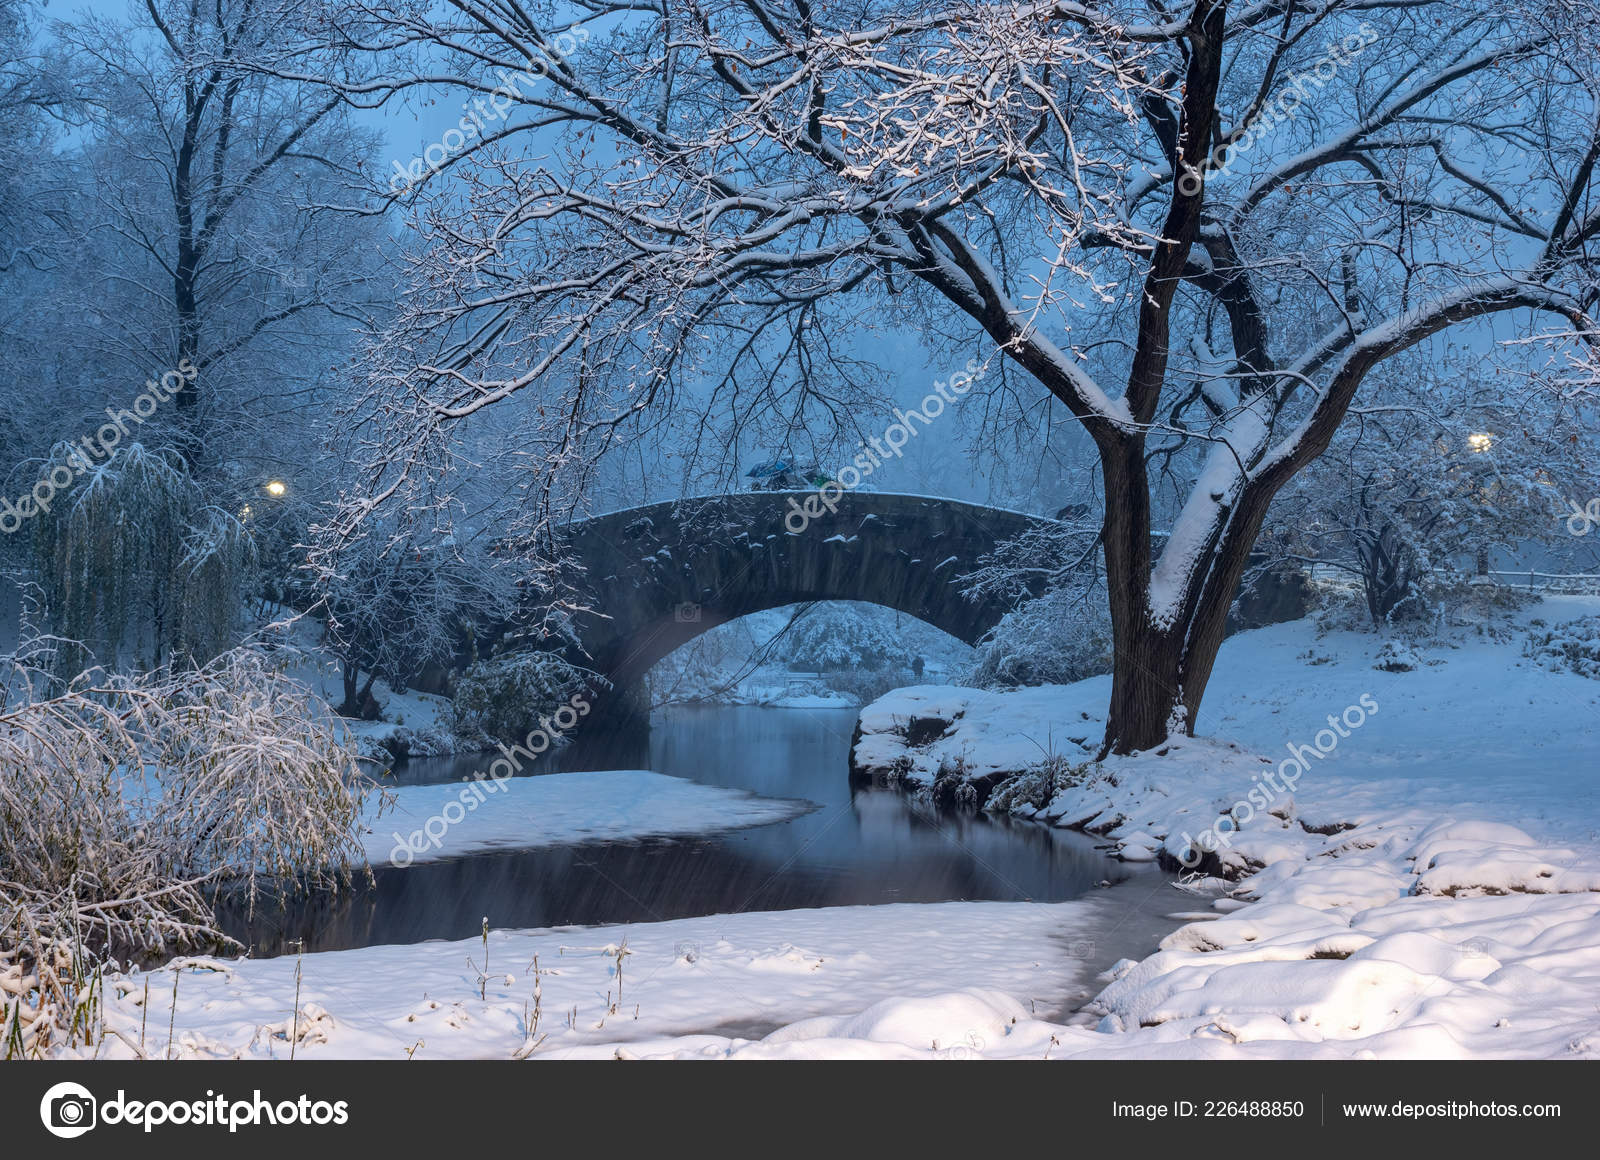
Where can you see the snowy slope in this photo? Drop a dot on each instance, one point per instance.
(1477, 730)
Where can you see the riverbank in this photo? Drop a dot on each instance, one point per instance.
(1394, 858)
(686, 985)
(1428, 885)
(429, 822)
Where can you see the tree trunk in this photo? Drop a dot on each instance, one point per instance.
(351, 706)
(1146, 688)
(185, 275)
(1160, 673)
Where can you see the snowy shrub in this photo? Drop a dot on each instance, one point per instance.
(1572, 647)
(405, 743)
(835, 638)
(951, 787)
(1396, 657)
(1342, 609)
(1056, 639)
(126, 803)
(505, 697)
(1465, 602)
(370, 749)
(1035, 788)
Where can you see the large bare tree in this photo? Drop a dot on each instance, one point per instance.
(1197, 227)
(225, 198)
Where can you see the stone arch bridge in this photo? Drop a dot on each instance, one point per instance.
(656, 577)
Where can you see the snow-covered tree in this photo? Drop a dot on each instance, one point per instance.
(398, 602)
(831, 638)
(1059, 629)
(35, 95)
(1435, 472)
(218, 208)
(1239, 212)
(33, 90)
(507, 696)
(132, 560)
(1054, 639)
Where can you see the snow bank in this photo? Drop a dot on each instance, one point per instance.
(686, 986)
(1377, 890)
(993, 732)
(445, 821)
(1477, 731)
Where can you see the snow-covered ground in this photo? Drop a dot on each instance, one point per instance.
(1417, 877)
(427, 822)
(1477, 731)
(687, 985)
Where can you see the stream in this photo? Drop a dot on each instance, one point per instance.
(862, 846)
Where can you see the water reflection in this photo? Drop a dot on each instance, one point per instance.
(863, 846)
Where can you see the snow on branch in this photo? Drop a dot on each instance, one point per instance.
(704, 170)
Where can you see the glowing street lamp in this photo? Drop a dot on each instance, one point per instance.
(277, 489)
(1479, 443)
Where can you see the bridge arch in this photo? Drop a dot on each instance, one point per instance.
(656, 577)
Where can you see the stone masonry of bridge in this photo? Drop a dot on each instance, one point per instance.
(658, 576)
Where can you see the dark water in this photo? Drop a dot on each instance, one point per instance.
(862, 846)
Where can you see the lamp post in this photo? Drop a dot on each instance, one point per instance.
(1480, 443)
(275, 489)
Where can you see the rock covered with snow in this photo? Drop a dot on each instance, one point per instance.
(1396, 656)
